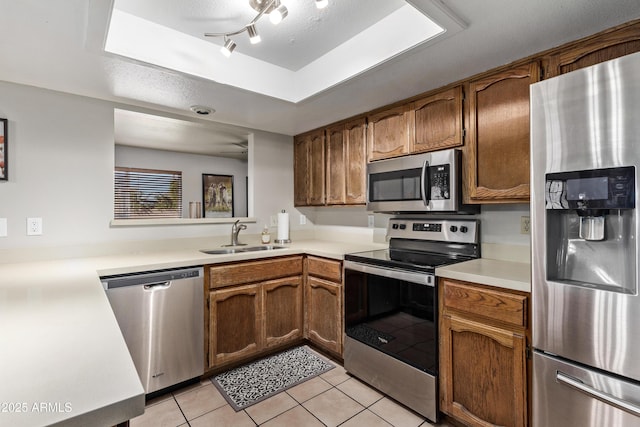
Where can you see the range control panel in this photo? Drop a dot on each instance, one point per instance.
(442, 230)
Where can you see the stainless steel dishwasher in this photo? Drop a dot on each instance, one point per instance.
(161, 316)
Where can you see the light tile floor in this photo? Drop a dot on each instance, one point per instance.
(334, 398)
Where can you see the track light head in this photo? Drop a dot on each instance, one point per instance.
(228, 47)
(278, 14)
(321, 4)
(254, 37)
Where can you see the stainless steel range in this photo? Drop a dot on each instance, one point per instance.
(391, 307)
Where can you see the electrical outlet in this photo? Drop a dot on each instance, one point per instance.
(34, 226)
(370, 221)
(525, 225)
(3, 227)
(273, 221)
(303, 219)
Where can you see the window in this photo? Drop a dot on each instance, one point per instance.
(147, 193)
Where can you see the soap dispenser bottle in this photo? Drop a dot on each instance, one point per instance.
(266, 237)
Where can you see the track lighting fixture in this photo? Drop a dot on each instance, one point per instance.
(276, 11)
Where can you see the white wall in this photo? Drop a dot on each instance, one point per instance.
(61, 160)
(192, 167)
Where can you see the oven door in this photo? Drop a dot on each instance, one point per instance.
(391, 329)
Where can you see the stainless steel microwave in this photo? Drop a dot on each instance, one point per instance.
(429, 182)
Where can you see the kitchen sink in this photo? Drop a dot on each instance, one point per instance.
(241, 249)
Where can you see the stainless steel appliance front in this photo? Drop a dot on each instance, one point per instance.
(161, 316)
(585, 222)
(391, 307)
(429, 182)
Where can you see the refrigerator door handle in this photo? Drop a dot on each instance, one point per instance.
(597, 394)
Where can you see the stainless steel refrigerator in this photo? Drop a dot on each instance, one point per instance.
(585, 156)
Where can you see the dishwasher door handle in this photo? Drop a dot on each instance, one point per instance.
(157, 286)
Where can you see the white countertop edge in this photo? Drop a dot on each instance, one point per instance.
(503, 274)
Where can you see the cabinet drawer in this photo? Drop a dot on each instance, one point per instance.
(325, 268)
(253, 271)
(497, 305)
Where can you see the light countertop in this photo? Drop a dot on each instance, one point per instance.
(63, 357)
(503, 274)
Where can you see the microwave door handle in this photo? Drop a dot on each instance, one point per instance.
(425, 185)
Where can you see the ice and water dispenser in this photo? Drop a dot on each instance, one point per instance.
(590, 233)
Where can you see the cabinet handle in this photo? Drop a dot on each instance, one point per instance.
(597, 394)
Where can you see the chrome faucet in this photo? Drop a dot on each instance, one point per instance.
(235, 230)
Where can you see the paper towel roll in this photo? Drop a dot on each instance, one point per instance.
(283, 227)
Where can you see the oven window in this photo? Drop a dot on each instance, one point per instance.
(393, 316)
(395, 186)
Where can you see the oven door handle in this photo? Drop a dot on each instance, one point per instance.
(425, 185)
(408, 276)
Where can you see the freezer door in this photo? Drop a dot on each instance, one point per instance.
(568, 395)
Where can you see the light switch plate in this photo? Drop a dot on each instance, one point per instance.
(303, 219)
(3, 227)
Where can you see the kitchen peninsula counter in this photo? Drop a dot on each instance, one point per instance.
(63, 357)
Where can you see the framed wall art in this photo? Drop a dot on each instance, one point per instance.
(217, 196)
(4, 156)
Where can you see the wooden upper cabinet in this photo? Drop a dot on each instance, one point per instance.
(308, 167)
(390, 132)
(301, 146)
(346, 163)
(438, 121)
(593, 50)
(336, 165)
(497, 149)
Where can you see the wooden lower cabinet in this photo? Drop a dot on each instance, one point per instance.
(483, 354)
(253, 306)
(283, 310)
(323, 301)
(235, 323)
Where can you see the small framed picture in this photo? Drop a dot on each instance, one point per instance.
(4, 156)
(217, 196)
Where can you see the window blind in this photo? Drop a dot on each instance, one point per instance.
(147, 193)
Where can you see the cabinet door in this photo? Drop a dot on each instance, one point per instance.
(603, 47)
(483, 373)
(390, 132)
(356, 136)
(346, 163)
(235, 324)
(301, 146)
(308, 169)
(497, 153)
(316, 169)
(438, 121)
(336, 165)
(282, 307)
(324, 314)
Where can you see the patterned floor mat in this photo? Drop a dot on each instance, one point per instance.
(251, 383)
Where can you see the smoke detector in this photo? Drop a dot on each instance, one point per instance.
(202, 110)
